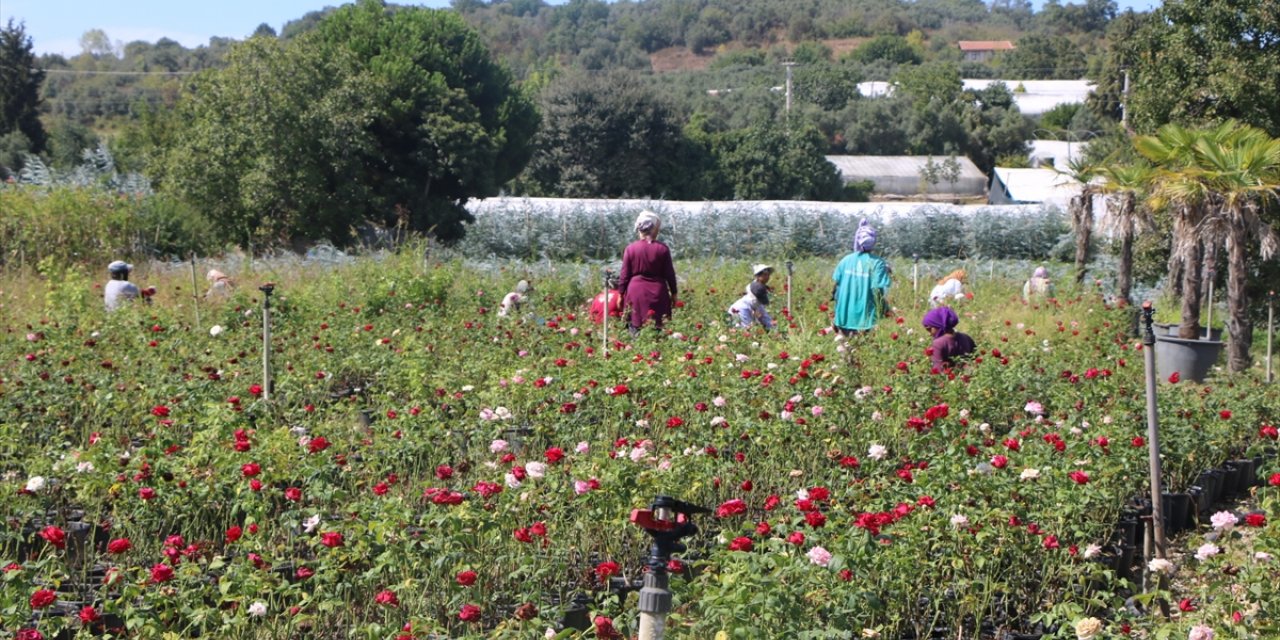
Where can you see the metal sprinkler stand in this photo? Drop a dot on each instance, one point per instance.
(266, 290)
(1271, 326)
(1160, 547)
(791, 267)
(604, 316)
(667, 520)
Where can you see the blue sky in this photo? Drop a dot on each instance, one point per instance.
(55, 26)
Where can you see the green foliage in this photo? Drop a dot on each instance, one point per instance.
(20, 88)
(1203, 61)
(768, 162)
(68, 225)
(607, 136)
(1042, 57)
(890, 48)
(390, 116)
(1060, 116)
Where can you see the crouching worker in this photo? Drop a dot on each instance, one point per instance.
(949, 345)
(752, 307)
(119, 289)
(612, 305)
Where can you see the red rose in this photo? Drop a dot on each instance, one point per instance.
(146, 493)
(1187, 605)
(160, 411)
(43, 598)
(54, 536)
(255, 485)
(1051, 542)
(796, 538)
(331, 539)
(1268, 431)
(1139, 441)
(380, 489)
(604, 628)
(255, 390)
(606, 569)
(89, 615)
(999, 462)
(815, 519)
(233, 534)
(466, 578)
(674, 421)
(161, 572)
(1174, 377)
(318, 444)
(387, 597)
(538, 529)
(731, 508)
(741, 543)
(554, 454)
(469, 613)
(293, 494)
(1274, 480)
(1079, 477)
(29, 634)
(119, 545)
(303, 573)
(1255, 520)
(846, 575)
(250, 469)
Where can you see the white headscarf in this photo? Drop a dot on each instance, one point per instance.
(646, 221)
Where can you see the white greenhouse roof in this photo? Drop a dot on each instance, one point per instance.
(1031, 186)
(898, 166)
(1058, 153)
(1038, 96)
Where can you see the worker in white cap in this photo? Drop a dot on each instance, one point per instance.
(119, 288)
(751, 307)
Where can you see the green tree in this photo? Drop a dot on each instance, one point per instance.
(890, 48)
(395, 116)
(768, 162)
(1041, 57)
(608, 136)
(20, 87)
(1206, 61)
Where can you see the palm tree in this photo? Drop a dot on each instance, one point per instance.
(1126, 214)
(1242, 169)
(1081, 209)
(1177, 187)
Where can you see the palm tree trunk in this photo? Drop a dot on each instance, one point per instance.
(1190, 327)
(1082, 213)
(1239, 324)
(1124, 281)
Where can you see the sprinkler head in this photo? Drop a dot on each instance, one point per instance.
(267, 288)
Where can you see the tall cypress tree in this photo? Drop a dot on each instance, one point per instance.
(20, 86)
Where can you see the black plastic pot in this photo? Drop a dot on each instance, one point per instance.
(1231, 480)
(1175, 511)
(1248, 472)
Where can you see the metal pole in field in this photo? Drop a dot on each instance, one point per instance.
(195, 296)
(915, 273)
(1208, 325)
(790, 269)
(266, 290)
(1153, 439)
(604, 318)
(1271, 326)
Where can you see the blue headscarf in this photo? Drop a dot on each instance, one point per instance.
(865, 237)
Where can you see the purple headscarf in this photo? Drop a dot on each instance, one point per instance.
(941, 320)
(865, 237)
(1041, 272)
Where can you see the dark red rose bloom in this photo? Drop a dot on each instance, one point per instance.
(466, 578)
(469, 613)
(43, 598)
(161, 572)
(54, 536)
(741, 543)
(331, 539)
(387, 597)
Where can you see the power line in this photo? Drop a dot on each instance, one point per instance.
(117, 73)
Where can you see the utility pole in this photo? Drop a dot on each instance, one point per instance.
(1124, 102)
(789, 64)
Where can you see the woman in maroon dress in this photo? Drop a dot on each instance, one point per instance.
(648, 280)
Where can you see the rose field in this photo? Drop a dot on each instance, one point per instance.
(422, 468)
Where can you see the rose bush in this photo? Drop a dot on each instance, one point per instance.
(425, 467)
